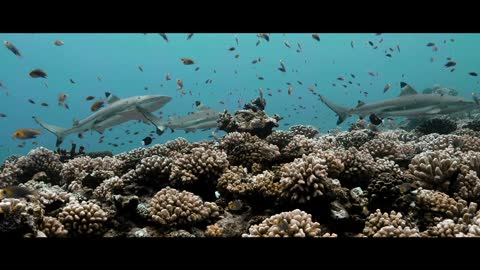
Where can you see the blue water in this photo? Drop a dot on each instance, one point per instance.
(116, 57)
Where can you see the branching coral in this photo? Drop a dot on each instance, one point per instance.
(18, 217)
(304, 178)
(37, 160)
(254, 122)
(359, 167)
(107, 188)
(83, 218)
(153, 170)
(172, 207)
(295, 223)
(236, 180)
(298, 146)
(434, 169)
(437, 125)
(89, 171)
(391, 224)
(245, 149)
(307, 131)
(200, 163)
(280, 138)
(52, 227)
(355, 138)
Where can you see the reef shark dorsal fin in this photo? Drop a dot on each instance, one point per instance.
(360, 103)
(75, 122)
(111, 98)
(407, 89)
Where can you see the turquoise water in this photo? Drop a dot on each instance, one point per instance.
(116, 57)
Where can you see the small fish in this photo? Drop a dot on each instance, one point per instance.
(2, 86)
(340, 78)
(385, 89)
(398, 47)
(352, 44)
(168, 77)
(264, 36)
(237, 55)
(260, 77)
(180, 84)
(299, 82)
(452, 70)
(430, 44)
(145, 88)
(432, 60)
(189, 36)
(388, 55)
(38, 73)
(235, 205)
(316, 37)
(187, 61)
(197, 68)
(287, 44)
(44, 104)
(231, 49)
(12, 48)
(373, 74)
(254, 61)
(258, 43)
(26, 133)
(450, 64)
(72, 81)
(474, 74)
(140, 68)
(435, 49)
(146, 141)
(164, 36)
(15, 192)
(58, 42)
(290, 90)
(97, 105)
(371, 43)
(374, 119)
(2, 115)
(90, 98)
(31, 101)
(61, 99)
(353, 76)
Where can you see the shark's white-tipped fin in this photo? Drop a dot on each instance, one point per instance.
(111, 98)
(407, 89)
(153, 119)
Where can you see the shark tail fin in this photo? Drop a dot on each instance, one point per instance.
(159, 124)
(342, 112)
(58, 131)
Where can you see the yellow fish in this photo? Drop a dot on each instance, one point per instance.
(26, 133)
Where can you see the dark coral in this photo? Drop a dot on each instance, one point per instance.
(437, 125)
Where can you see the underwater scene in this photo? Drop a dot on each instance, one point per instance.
(239, 135)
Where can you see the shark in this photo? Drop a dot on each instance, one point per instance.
(117, 111)
(202, 119)
(408, 104)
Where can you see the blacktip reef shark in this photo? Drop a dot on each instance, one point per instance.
(117, 112)
(409, 104)
(202, 119)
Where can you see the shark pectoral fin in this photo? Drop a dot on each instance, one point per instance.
(100, 130)
(153, 119)
(434, 111)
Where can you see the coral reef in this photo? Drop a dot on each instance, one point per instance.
(437, 125)
(85, 218)
(295, 223)
(171, 207)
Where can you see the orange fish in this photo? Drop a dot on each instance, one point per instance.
(97, 105)
(38, 73)
(26, 133)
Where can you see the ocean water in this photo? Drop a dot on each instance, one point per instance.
(116, 57)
